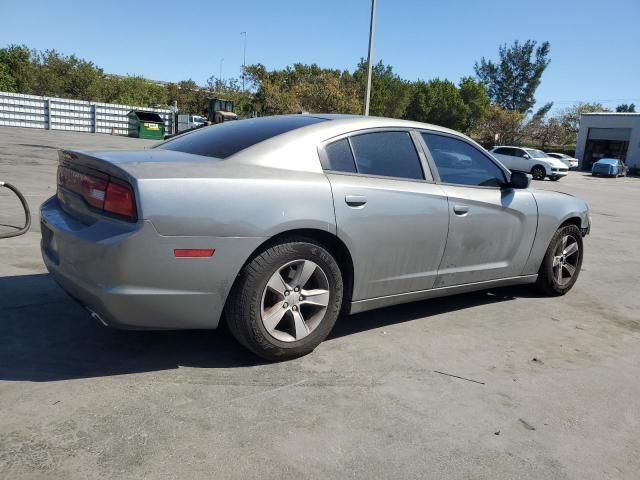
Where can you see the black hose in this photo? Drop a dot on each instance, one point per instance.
(27, 213)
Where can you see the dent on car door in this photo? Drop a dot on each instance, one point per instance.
(491, 229)
(393, 220)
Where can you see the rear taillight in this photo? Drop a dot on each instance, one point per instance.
(119, 200)
(105, 194)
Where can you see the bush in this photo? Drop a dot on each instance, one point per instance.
(566, 149)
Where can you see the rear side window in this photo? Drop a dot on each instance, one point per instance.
(503, 151)
(460, 163)
(389, 154)
(339, 157)
(226, 139)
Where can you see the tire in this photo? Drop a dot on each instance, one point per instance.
(538, 172)
(556, 258)
(270, 281)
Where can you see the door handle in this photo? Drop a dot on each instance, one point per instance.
(355, 200)
(460, 210)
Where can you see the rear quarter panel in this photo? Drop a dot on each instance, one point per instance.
(238, 202)
(233, 213)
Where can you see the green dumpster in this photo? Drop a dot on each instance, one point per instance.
(145, 125)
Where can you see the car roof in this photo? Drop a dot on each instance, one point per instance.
(608, 160)
(298, 149)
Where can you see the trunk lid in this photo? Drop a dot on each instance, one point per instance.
(136, 165)
(95, 185)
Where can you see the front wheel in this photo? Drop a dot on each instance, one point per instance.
(286, 300)
(538, 173)
(562, 262)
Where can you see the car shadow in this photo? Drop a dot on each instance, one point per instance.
(45, 336)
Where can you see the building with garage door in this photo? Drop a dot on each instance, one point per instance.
(609, 135)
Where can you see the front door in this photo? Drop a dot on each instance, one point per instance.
(491, 228)
(491, 232)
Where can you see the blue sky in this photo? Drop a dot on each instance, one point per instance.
(595, 45)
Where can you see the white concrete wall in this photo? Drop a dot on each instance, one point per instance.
(17, 110)
(611, 120)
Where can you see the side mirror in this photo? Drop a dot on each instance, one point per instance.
(519, 180)
(526, 156)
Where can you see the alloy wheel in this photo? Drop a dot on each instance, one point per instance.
(538, 173)
(565, 260)
(295, 300)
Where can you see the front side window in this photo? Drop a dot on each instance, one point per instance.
(460, 163)
(533, 153)
(389, 154)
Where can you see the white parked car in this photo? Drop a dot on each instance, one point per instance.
(570, 162)
(530, 160)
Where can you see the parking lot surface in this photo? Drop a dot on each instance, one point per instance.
(549, 386)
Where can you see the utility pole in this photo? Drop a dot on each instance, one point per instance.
(244, 58)
(220, 77)
(367, 94)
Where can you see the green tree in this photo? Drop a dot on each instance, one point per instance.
(231, 89)
(134, 90)
(570, 117)
(631, 108)
(545, 131)
(438, 102)
(499, 126)
(512, 81)
(390, 94)
(188, 95)
(17, 63)
(66, 76)
(303, 88)
(474, 96)
(541, 130)
(7, 82)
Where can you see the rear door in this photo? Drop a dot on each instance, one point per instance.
(389, 212)
(515, 160)
(491, 228)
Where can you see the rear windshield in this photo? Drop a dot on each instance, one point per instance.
(226, 139)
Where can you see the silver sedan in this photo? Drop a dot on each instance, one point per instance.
(278, 225)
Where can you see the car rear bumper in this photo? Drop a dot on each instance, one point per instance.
(128, 277)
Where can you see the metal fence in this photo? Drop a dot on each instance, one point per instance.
(17, 110)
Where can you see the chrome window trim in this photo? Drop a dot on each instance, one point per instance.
(424, 165)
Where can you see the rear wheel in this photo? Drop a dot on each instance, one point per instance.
(562, 262)
(286, 300)
(538, 172)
